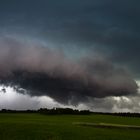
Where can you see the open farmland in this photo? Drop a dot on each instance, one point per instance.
(33, 126)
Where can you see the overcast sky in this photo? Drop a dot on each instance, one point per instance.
(76, 53)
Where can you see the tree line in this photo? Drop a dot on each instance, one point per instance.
(54, 111)
(69, 111)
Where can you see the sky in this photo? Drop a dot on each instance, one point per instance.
(70, 53)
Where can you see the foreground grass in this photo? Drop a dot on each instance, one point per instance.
(61, 127)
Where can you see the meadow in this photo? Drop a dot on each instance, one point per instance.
(35, 126)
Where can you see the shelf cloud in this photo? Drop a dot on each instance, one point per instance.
(76, 52)
(38, 71)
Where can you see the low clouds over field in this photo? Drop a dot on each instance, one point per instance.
(76, 52)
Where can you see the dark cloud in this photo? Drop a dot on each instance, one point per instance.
(41, 71)
(105, 25)
(108, 27)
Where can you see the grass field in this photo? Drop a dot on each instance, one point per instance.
(64, 127)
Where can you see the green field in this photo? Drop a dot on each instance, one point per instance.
(32, 126)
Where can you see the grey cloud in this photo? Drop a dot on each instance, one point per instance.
(16, 101)
(103, 26)
(116, 104)
(42, 71)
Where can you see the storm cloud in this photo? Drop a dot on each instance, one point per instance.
(111, 27)
(73, 51)
(38, 70)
